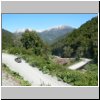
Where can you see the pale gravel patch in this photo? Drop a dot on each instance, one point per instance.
(8, 80)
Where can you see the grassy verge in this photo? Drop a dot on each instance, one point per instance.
(16, 76)
(73, 77)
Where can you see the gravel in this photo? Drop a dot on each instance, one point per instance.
(8, 80)
(32, 74)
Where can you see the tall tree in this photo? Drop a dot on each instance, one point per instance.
(30, 39)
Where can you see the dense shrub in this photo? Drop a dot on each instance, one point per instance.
(14, 50)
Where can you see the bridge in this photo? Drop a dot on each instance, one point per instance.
(79, 64)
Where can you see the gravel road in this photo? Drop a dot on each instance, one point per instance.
(33, 75)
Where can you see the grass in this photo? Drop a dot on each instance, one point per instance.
(16, 76)
(73, 77)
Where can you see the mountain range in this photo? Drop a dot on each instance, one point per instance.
(53, 34)
(50, 35)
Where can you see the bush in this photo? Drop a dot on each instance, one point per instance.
(91, 67)
(14, 51)
(23, 51)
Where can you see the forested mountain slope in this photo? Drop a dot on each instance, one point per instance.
(7, 39)
(82, 42)
(51, 35)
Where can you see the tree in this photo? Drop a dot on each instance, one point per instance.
(67, 51)
(83, 42)
(79, 53)
(30, 40)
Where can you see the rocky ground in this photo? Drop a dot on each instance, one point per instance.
(8, 80)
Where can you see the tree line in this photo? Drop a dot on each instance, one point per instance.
(82, 42)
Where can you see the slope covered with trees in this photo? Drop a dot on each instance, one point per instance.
(50, 36)
(28, 43)
(82, 42)
(7, 39)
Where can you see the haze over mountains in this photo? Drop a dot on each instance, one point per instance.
(50, 35)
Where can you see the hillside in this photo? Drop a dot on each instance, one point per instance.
(7, 39)
(53, 34)
(82, 42)
(28, 41)
(49, 36)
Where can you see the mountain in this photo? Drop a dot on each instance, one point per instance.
(53, 34)
(10, 39)
(82, 42)
(7, 39)
(20, 31)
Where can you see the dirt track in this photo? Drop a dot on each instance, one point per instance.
(33, 75)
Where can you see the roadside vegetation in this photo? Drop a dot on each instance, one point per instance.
(73, 77)
(16, 76)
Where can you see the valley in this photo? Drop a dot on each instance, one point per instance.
(59, 56)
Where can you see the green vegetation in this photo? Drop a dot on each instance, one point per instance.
(54, 34)
(82, 42)
(91, 67)
(69, 76)
(31, 40)
(89, 78)
(16, 76)
(7, 38)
